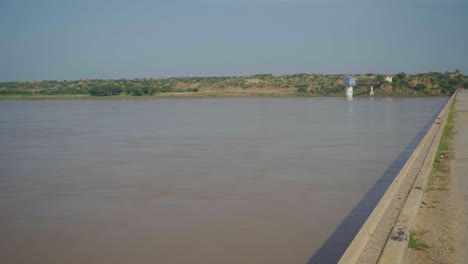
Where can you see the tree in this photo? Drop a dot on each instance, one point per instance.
(166, 89)
(145, 89)
(303, 88)
(135, 90)
(105, 90)
(152, 90)
(380, 78)
(400, 77)
(420, 87)
(447, 88)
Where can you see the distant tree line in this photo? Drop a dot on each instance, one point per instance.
(302, 83)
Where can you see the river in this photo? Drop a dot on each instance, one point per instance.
(234, 180)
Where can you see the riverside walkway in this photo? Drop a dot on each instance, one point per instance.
(459, 165)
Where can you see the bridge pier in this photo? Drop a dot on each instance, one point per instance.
(348, 83)
(349, 92)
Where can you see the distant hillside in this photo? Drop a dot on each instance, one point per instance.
(302, 84)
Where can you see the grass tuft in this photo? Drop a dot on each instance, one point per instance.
(416, 243)
(443, 188)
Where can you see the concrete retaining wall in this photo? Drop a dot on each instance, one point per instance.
(383, 238)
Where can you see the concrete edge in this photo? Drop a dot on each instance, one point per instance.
(357, 246)
(396, 247)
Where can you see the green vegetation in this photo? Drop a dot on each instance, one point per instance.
(105, 90)
(303, 88)
(443, 188)
(440, 167)
(303, 84)
(416, 243)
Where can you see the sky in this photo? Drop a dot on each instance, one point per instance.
(79, 39)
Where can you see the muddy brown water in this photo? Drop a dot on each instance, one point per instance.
(247, 180)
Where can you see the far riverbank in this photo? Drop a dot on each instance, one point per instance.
(197, 95)
(260, 85)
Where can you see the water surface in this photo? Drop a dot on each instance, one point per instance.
(251, 180)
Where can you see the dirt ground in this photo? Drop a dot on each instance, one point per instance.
(437, 224)
(441, 221)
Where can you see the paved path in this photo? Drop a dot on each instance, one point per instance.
(459, 166)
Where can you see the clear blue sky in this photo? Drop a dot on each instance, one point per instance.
(65, 39)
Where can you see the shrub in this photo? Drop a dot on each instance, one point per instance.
(303, 88)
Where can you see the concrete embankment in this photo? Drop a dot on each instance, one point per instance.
(383, 238)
